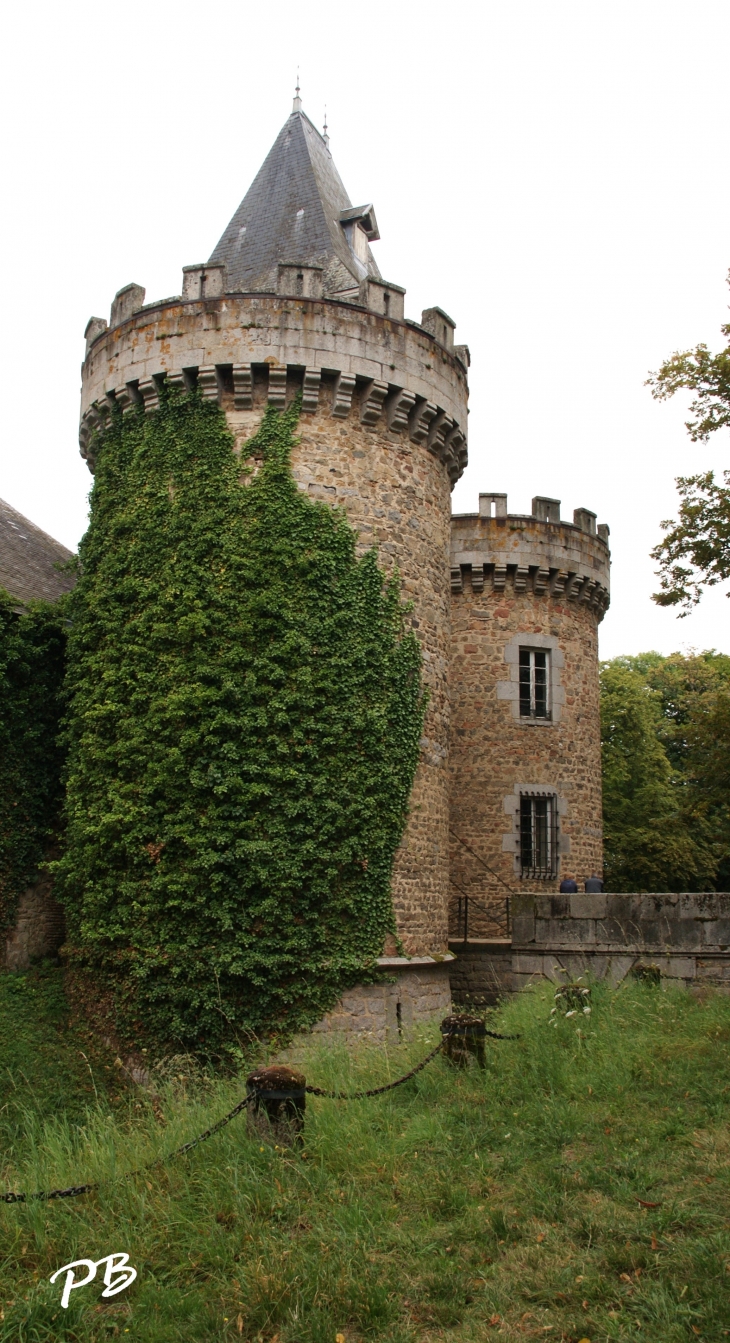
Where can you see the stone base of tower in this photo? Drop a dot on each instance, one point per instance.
(38, 929)
(417, 990)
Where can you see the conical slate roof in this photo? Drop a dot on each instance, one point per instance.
(292, 213)
(28, 559)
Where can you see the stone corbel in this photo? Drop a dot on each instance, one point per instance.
(208, 384)
(542, 578)
(397, 409)
(573, 586)
(499, 577)
(457, 584)
(127, 398)
(342, 400)
(101, 411)
(242, 387)
(277, 386)
(455, 448)
(441, 427)
(560, 578)
(150, 394)
(477, 577)
(420, 419)
(310, 392)
(372, 401)
(522, 573)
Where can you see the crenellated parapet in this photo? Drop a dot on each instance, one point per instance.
(351, 361)
(540, 554)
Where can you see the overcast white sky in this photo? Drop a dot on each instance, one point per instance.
(554, 174)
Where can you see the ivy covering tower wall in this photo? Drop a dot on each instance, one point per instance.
(244, 716)
(32, 646)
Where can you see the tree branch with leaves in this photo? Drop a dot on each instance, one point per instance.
(695, 552)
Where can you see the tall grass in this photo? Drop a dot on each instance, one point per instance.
(577, 1188)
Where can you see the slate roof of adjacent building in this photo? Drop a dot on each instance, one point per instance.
(28, 558)
(291, 213)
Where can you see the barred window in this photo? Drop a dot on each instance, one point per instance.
(534, 683)
(538, 836)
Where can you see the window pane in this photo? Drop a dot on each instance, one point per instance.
(526, 834)
(541, 845)
(541, 692)
(534, 675)
(525, 683)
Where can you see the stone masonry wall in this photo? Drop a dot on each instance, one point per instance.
(686, 937)
(39, 927)
(518, 581)
(417, 993)
(683, 938)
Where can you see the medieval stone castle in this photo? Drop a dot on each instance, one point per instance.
(507, 795)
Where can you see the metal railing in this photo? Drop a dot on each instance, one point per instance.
(462, 915)
(465, 898)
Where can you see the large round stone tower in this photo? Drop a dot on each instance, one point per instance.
(527, 596)
(292, 301)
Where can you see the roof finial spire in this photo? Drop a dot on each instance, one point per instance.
(297, 104)
(325, 136)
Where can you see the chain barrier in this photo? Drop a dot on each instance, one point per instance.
(377, 1091)
(73, 1191)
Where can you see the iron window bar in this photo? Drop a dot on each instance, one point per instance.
(538, 836)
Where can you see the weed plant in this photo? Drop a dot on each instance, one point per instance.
(576, 1188)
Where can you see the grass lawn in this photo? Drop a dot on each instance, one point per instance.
(575, 1189)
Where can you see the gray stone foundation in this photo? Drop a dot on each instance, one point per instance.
(418, 990)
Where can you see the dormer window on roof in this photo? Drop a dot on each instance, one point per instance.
(360, 227)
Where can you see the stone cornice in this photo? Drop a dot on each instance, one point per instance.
(560, 584)
(336, 393)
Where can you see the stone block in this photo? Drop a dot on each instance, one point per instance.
(677, 967)
(525, 964)
(618, 932)
(523, 929)
(588, 906)
(681, 933)
(566, 932)
(713, 968)
(721, 932)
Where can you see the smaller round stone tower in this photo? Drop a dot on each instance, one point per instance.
(528, 594)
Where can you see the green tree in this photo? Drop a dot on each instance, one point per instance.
(245, 710)
(657, 835)
(695, 553)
